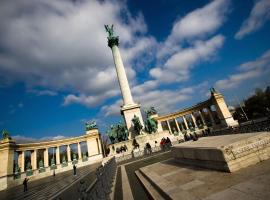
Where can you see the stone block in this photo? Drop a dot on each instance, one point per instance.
(226, 153)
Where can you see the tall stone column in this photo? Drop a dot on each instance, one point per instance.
(57, 152)
(168, 124)
(23, 161)
(46, 158)
(177, 125)
(79, 151)
(185, 122)
(194, 120)
(68, 153)
(34, 159)
(129, 109)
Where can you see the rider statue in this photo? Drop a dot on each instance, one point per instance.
(137, 125)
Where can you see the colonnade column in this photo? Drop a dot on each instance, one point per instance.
(79, 151)
(23, 162)
(68, 153)
(194, 120)
(57, 152)
(177, 125)
(34, 159)
(46, 158)
(168, 124)
(185, 121)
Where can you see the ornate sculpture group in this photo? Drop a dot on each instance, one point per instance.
(5, 134)
(112, 40)
(90, 125)
(118, 133)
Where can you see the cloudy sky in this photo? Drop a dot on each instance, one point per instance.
(57, 72)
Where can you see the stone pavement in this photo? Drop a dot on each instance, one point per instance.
(127, 171)
(62, 185)
(171, 180)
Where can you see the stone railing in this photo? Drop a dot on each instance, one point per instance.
(105, 175)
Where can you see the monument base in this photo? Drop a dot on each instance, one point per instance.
(142, 140)
(225, 153)
(128, 111)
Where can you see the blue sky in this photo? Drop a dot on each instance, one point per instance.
(57, 72)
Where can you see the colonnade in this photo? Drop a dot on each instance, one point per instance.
(40, 159)
(199, 116)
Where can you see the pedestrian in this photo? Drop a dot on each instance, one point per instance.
(25, 184)
(54, 173)
(74, 170)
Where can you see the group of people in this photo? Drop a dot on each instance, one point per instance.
(165, 143)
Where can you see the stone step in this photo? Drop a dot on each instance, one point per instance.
(166, 189)
(151, 190)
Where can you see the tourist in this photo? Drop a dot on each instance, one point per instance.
(25, 184)
(74, 170)
(168, 142)
(162, 144)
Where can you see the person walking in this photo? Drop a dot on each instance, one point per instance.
(74, 170)
(25, 184)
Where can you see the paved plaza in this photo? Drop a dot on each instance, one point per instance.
(64, 185)
(171, 180)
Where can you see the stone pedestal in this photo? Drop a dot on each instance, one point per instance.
(225, 153)
(7, 159)
(128, 113)
(222, 110)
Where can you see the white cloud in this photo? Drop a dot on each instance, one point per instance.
(24, 139)
(67, 45)
(164, 101)
(178, 66)
(259, 15)
(196, 24)
(260, 67)
(42, 92)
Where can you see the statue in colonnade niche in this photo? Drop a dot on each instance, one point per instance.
(150, 123)
(137, 124)
(17, 169)
(52, 161)
(28, 166)
(40, 164)
(64, 159)
(74, 156)
(90, 125)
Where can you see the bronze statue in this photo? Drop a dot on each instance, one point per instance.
(90, 125)
(117, 133)
(5, 134)
(109, 30)
(112, 40)
(137, 125)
